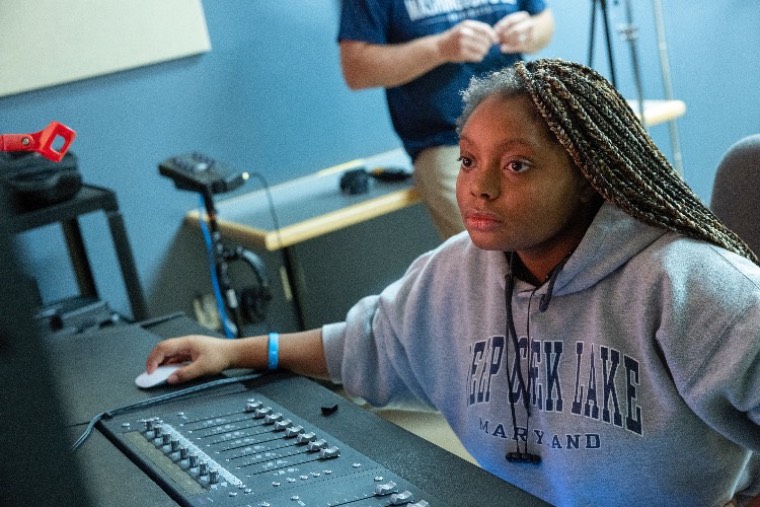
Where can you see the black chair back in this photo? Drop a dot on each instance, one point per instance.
(736, 190)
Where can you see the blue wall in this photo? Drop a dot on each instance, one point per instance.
(269, 97)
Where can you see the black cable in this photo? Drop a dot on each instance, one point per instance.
(270, 201)
(275, 221)
(159, 399)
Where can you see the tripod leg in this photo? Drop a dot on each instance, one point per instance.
(610, 57)
(591, 34)
(630, 34)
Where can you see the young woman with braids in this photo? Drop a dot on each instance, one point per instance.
(594, 336)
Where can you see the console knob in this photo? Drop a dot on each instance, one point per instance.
(251, 406)
(316, 445)
(305, 438)
(329, 453)
(401, 498)
(273, 418)
(262, 412)
(293, 431)
(385, 489)
(283, 425)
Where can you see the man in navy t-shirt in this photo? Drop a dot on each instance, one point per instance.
(424, 52)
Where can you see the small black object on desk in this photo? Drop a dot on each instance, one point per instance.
(356, 181)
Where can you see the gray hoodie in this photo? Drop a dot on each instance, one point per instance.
(638, 360)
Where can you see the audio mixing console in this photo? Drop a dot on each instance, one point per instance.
(278, 440)
(240, 448)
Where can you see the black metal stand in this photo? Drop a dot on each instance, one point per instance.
(89, 199)
(222, 256)
(601, 5)
(629, 32)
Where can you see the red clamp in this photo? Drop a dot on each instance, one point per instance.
(41, 142)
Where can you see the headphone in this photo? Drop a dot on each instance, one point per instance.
(254, 300)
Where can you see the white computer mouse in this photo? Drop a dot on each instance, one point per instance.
(147, 380)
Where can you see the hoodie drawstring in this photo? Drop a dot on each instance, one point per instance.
(546, 298)
(517, 456)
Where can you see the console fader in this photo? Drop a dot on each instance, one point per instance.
(241, 449)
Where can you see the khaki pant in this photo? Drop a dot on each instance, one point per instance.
(435, 176)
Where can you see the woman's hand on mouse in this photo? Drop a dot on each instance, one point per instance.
(206, 356)
(301, 352)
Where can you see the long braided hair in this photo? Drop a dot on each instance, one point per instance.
(608, 143)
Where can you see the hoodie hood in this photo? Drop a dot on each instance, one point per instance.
(613, 238)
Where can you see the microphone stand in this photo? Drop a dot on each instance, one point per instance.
(221, 257)
(602, 4)
(667, 83)
(630, 33)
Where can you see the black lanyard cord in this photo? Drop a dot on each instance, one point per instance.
(525, 456)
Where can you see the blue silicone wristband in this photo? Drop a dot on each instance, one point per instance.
(274, 351)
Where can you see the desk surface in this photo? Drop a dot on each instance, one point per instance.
(96, 373)
(313, 205)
